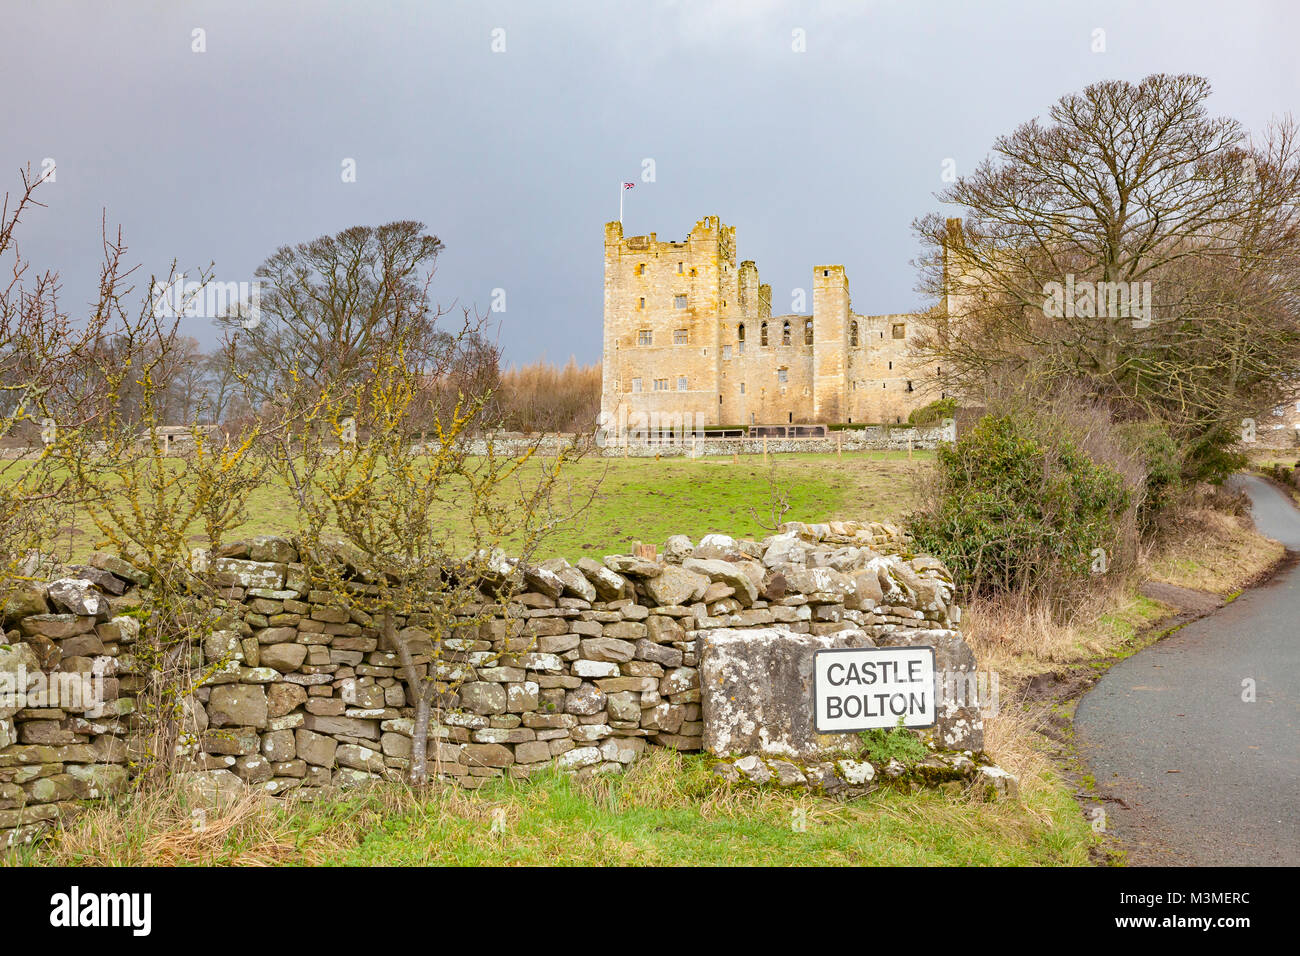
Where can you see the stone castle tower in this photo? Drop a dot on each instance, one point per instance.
(690, 332)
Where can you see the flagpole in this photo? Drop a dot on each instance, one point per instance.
(620, 202)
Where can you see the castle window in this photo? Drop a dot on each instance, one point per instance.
(807, 332)
(785, 333)
(742, 388)
(642, 305)
(762, 335)
(726, 351)
(891, 365)
(909, 386)
(853, 333)
(782, 374)
(636, 385)
(826, 272)
(679, 302)
(645, 337)
(680, 267)
(681, 383)
(740, 332)
(661, 385)
(640, 268)
(681, 337)
(900, 331)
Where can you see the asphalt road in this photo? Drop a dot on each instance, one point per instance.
(1196, 774)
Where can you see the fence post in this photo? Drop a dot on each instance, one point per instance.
(764, 449)
(839, 444)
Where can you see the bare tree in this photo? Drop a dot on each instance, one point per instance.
(1125, 185)
(328, 308)
(46, 383)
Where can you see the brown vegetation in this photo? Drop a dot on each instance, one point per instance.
(541, 397)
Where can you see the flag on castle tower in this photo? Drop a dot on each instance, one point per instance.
(626, 185)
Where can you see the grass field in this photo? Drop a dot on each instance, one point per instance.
(651, 500)
(648, 500)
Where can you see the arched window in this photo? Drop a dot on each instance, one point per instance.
(762, 334)
(740, 332)
(853, 333)
(807, 332)
(785, 333)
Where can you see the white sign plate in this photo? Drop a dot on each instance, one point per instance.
(861, 688)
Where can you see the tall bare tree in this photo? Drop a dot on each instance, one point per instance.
(329, 309)
(1068, 222)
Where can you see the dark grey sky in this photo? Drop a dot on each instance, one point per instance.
(514, 158)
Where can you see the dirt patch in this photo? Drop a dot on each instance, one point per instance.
(1186, 600)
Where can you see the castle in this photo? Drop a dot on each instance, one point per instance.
(689, 332)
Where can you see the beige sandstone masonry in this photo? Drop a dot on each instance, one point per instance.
(688, 330)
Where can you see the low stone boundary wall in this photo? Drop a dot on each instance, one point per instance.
(876, 438)
(873, 438)
(633, 444)
(585, 667)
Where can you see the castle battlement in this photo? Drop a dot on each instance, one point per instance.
(688, 330)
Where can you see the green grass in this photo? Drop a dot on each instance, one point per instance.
(553, 823)
(647, 500)
(650, 500)
(667, 811)
(1118, 629)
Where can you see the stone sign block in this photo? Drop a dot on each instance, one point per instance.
(756, 691)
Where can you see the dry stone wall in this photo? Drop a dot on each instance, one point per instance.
(587, 666)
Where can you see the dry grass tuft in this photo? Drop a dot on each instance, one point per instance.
(1025, 637)
(1211, 550)
(161, 827)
